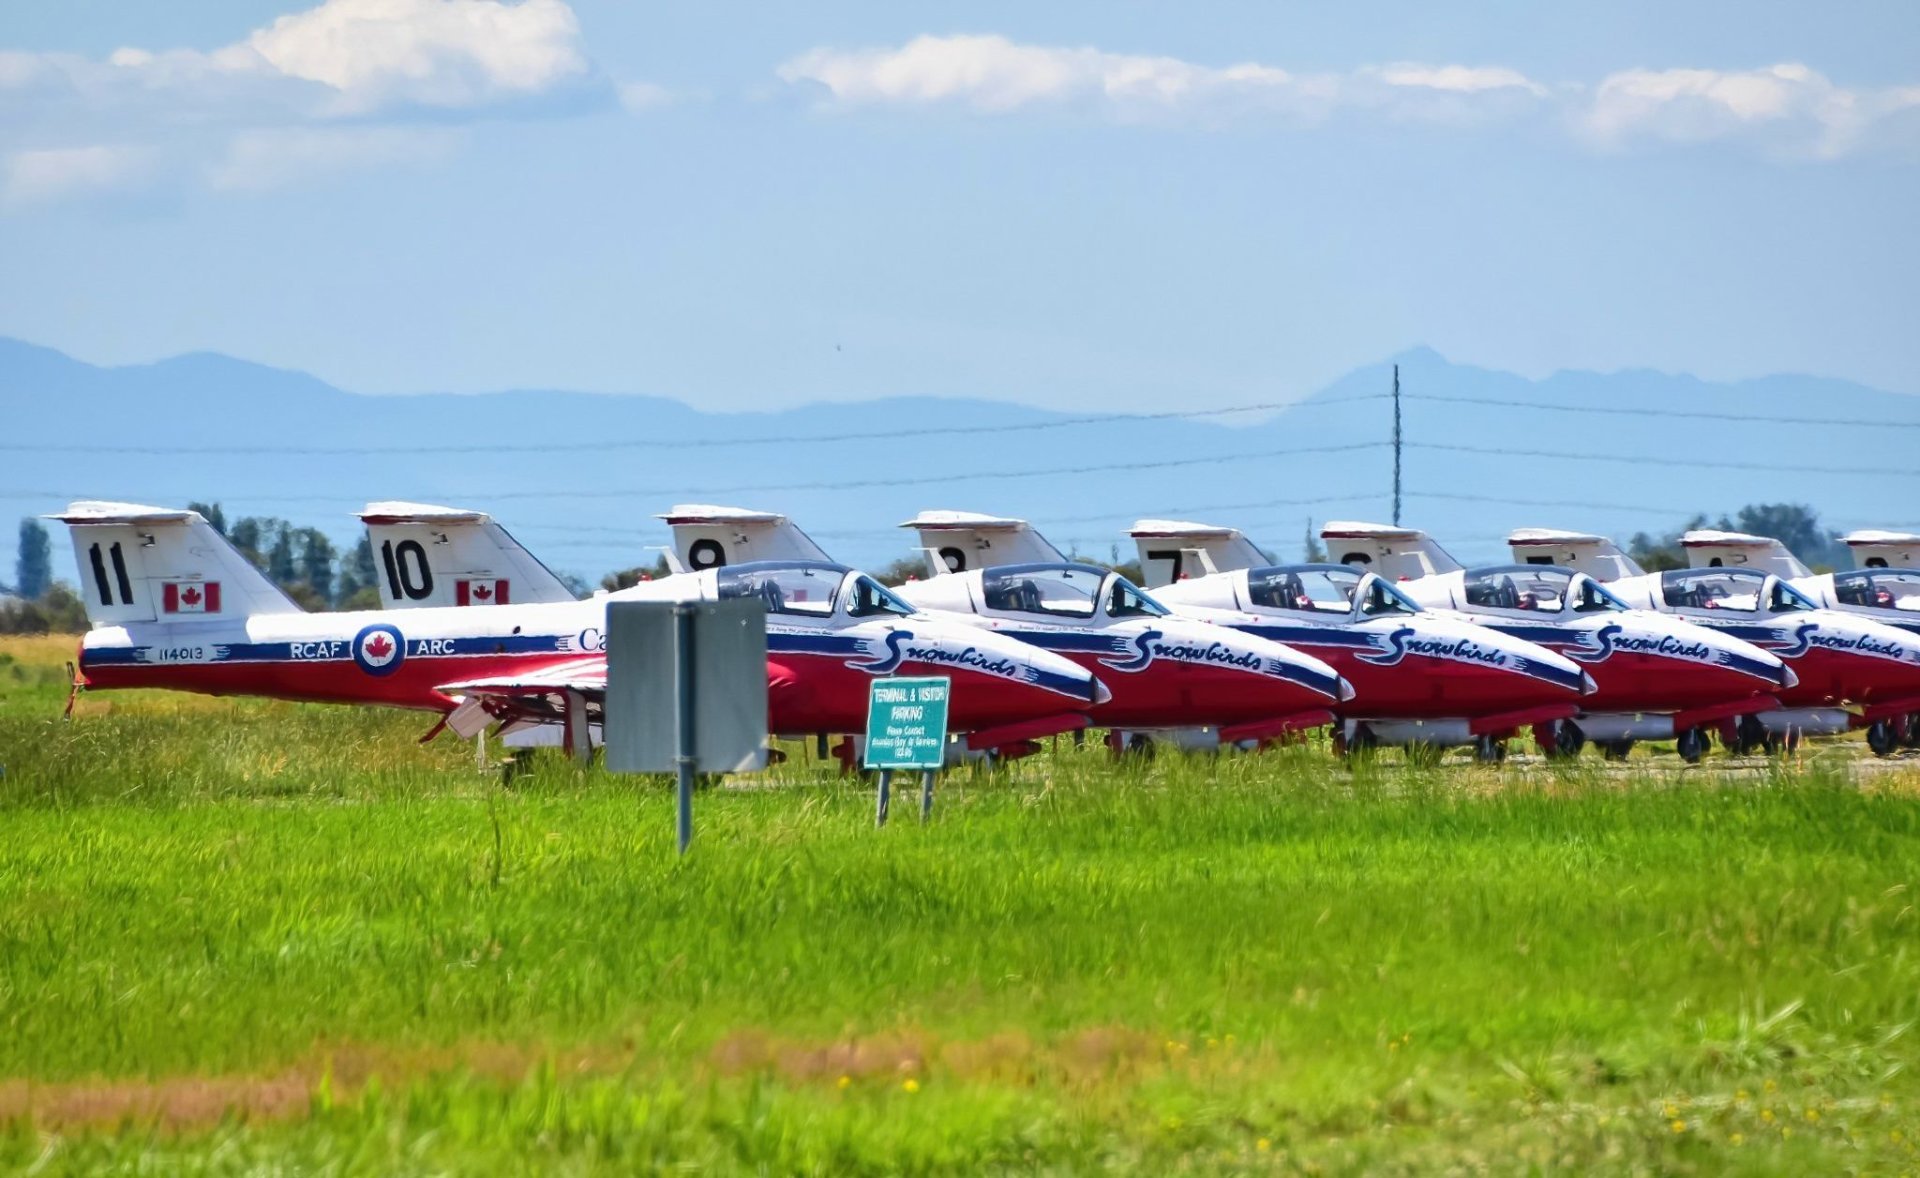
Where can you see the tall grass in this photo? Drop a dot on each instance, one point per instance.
(239, 934)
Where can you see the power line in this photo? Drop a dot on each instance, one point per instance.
(1906, 472)
(1694, 414)
(842, 485)
(678, 443)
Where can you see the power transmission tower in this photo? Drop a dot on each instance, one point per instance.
(1396, 445)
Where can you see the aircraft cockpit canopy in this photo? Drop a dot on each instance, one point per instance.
(1740, 590)
(1547, 589)
(1064, 591)
(1325, 589)
(808, 588)
(1879, 588)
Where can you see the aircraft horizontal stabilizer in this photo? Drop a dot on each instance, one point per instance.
(960, 541)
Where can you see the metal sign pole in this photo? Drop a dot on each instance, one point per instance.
(886, 797)
(926, 794)
(683, 751)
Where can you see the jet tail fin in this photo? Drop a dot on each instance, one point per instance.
(1707, 549)
(1596, 556)
(148, 564)
(960, 541)
(427, 555)
(707, 536)
(1174, 550)
(1874, 549)
(1396, 553)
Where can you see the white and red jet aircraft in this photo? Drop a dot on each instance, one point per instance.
(174, 605)
(1854, 648)
(1851, 671)
(1164, 672)
(1419, 678)
(1658, 677)
(434, 547)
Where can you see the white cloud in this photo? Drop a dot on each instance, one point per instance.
(442, 53)
(55, 174)
(1786, 110)
(234, 116)
(260, 160)
(993, 74)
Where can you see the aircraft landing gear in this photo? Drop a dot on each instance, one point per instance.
(1490, 749)
(1691, 745)
(1883, 738)
(1616, 750)
(1750, 734)
(1564, 742)
(1361, 744)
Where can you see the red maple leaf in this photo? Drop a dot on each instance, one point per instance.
(482, 592)
(378, 646)
(191, 596)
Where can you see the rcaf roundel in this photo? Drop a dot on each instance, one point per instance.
(379, 649)
(190, 597)
(480, 592)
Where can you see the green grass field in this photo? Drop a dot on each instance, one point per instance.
(238, 935)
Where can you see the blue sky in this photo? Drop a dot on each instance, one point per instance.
(1101, 204)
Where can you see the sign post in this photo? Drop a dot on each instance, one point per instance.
(906, 729)
(686, 692)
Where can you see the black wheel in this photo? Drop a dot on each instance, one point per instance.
(1362, 743)
(1140, 745)
(1913, 731)
(1568, 740)
(1750, 734)
(1490, 749)
(1882, 738)
(1616, 750)
(1691, 745)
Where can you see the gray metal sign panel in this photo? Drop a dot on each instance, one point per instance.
(728, 659)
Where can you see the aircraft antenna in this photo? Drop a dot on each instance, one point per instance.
(1396, 445)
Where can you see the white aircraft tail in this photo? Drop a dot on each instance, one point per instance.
(427, 555)
(1596, 556)
(160, 564)
(1712, 550)
(1396, 553)
(1883, 550)
(1174, 550)
(707, 537)
(961, 541)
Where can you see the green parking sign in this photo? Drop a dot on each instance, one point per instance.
(907, 723)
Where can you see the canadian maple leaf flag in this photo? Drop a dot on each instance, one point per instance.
(190, 598)
(493, 592)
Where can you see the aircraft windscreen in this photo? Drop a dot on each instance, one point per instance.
(806, 590)
(1787, 599)
(869, 598)
(1383, 600)
(1127, 601)
(1311, 590)
(1897, 589)
(1591, 598)
(1710, 588)
(1063, 590)
(1538, 588)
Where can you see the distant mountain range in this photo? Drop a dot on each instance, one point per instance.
(578, 476)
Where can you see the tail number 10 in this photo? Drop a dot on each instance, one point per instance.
(407, 573)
